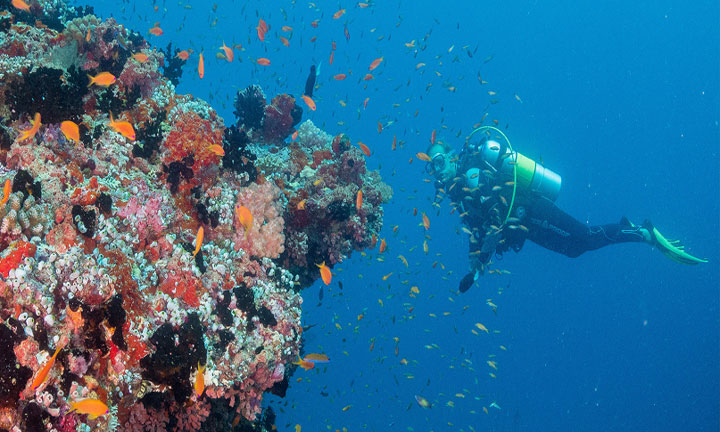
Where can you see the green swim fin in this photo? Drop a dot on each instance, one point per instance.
(671, 248)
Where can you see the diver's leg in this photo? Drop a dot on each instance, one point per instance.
(556, 230)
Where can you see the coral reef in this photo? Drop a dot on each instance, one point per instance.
(100, 255)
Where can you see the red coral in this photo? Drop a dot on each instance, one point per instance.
(278, 118)
(86, 195)
(184, 287)
(16, 256)
(319, 156)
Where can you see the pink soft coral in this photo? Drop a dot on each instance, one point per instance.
(147, 216)
(142, 420)
(265, 237)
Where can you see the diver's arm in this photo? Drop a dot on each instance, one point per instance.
(478, 257)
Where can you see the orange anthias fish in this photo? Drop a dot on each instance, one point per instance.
(103, 79)
(124, 128)
(285, 41)
(20, 4)
(383, 245)
(375, 63)
(380, 127)
(217, 149)
(92, 407)
(340, 77)
(286, 28)
(6, 192)
(70, 130)
(325, 273)
(201, 67)
(262, 28)
(317, 358)
(30, 133)
(339, 13)
(140, 57)
(198, 240)
(156, 31)
(309, 102)
(229, 55)
(307, 365)
(359, 200)
(432, 136)
(423, 157)
(244, 217)
(262, 61)
(365, 149)
(43, 374)
(200, 380)
(368, 77)
(426, 221)
(183, 55)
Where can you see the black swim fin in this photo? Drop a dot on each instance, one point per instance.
(467, 282)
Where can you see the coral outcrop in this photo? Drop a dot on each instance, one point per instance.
(101, 252)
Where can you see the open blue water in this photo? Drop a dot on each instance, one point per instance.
(620, 98)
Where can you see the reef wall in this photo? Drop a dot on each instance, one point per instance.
(101, 252)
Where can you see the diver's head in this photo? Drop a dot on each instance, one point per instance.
(441, 166)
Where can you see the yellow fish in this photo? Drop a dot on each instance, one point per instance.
(198, 240)
(200, 380)
(92, 407)
(244, 217)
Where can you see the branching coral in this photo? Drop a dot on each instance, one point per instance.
(172, 65)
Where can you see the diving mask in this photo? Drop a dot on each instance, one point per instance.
(439, 162)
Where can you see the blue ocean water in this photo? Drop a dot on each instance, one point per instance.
(620, 98)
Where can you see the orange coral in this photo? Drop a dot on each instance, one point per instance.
(192, 136)
(87, 195)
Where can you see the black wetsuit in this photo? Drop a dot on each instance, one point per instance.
(556, 230)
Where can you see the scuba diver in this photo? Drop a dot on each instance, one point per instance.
(505, 198)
